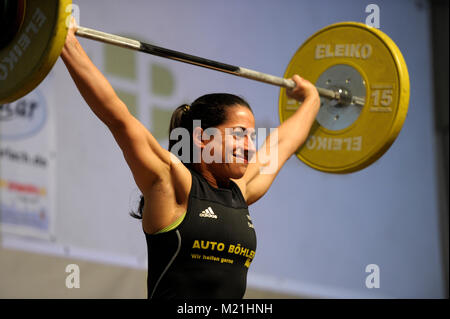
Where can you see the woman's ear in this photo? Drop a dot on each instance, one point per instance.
(197, 144)
(197, 137)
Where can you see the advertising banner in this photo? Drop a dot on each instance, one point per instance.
(27, 151)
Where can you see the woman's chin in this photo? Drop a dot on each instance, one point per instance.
(237, 171)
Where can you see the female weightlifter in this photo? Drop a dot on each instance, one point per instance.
(194, 210)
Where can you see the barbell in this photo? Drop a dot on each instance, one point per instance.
(358, 70)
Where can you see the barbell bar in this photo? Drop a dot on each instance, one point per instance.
(340, 96)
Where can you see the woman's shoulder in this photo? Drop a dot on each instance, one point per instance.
(241, 185)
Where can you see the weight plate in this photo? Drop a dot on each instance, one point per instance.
(27, 59)
(367, 63)
(11, 19)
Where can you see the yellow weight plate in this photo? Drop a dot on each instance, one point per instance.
(27, 59)
(366, 62)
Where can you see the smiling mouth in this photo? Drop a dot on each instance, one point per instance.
(240, 159)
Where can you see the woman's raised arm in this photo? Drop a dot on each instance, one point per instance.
(147, 160)
(276, 150)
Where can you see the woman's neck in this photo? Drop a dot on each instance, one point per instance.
(213, 180)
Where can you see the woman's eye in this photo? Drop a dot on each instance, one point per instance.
(241, 134)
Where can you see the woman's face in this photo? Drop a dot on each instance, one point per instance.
(237, 143)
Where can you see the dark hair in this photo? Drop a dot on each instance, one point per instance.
(210, 109)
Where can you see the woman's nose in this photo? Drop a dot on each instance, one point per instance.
(250, 147)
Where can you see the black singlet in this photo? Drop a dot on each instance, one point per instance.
(208, 254)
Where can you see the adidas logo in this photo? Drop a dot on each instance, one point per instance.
(208, 213)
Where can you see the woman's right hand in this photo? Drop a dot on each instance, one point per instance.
(73, 26)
